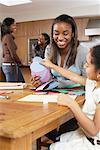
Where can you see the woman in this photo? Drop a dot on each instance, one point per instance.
(64, 50)
(11, 61)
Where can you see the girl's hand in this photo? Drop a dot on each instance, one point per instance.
(65, 100)
(47, 63)
(36, 81)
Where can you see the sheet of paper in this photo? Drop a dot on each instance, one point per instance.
(40, 98)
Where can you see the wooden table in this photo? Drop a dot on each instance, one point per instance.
(23, 122)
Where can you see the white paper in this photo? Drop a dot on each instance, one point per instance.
(40, 98)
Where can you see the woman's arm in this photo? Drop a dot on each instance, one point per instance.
(91, 127)
(66, 73)
(48, 52)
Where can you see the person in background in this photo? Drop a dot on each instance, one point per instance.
(39, 48)
(1, 73)
(11, 61)
(87, 137)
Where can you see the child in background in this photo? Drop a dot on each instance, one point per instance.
(87, 137)
(42, 43)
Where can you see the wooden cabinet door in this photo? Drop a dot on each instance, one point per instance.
(45, 26)
(22, 44)
(81, 25)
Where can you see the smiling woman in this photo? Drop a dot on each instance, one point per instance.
(65, 49)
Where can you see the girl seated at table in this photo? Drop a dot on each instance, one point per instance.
(87, 137)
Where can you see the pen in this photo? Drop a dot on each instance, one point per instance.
(4, 97)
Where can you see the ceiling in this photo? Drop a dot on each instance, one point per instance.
(44, 9)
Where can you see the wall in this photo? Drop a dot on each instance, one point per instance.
(48, 13)
(75, 12)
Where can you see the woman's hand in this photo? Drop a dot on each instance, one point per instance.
(47, 63)
(65, 100)
(36, 81)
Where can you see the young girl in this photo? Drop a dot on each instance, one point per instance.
(87, 137)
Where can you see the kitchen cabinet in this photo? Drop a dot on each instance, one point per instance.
(45, 26)
(81, 25)
(22, 44)
(26, 73)
(21, 29)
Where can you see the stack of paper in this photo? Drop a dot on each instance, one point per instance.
(11, 86)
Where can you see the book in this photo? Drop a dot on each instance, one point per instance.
(12, 85)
